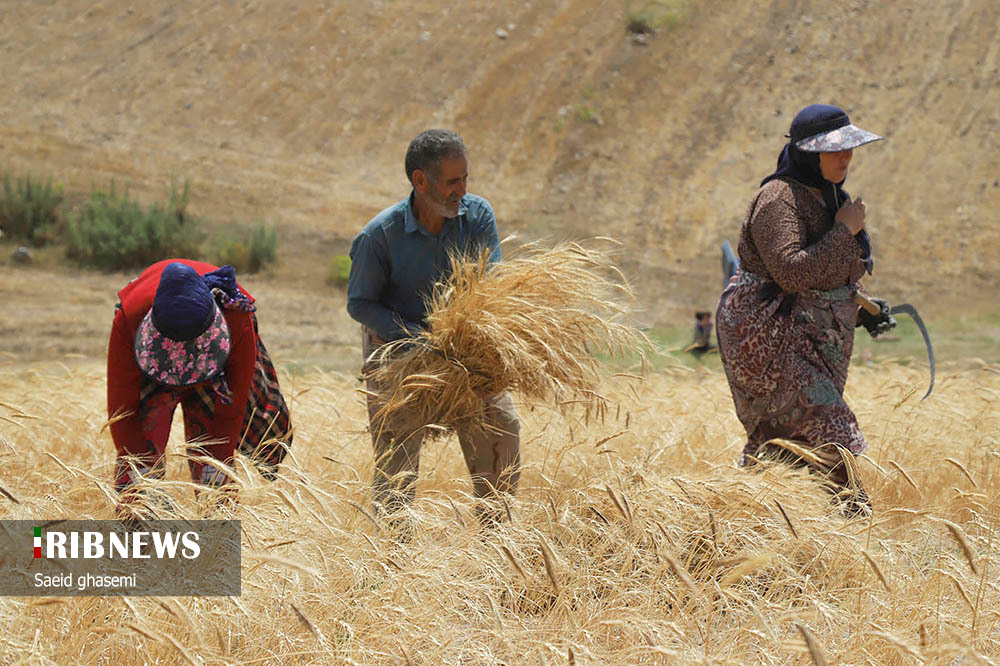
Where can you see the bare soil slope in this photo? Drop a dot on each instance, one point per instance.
(300, 114)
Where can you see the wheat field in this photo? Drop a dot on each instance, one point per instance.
(634, 540)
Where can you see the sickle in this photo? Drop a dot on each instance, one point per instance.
(904, 308)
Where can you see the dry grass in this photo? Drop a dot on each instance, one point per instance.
(630, 544)
(534, 324)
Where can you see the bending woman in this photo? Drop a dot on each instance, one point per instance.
(786, 320)
(185, 332)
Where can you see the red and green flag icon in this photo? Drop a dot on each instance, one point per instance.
(38, 542)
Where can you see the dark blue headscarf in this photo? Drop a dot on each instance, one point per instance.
(222, 283)
(803, 167)
(184, 304)
(183, 307)
(223, 278)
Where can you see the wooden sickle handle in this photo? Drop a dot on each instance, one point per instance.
(870, 306)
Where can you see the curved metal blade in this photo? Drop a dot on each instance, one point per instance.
(730, 263)
(906, 308)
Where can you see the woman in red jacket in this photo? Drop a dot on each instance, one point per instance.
(185, 333)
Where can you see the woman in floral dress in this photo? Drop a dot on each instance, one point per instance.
(786, 320)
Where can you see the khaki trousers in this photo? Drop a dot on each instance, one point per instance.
(492, 454)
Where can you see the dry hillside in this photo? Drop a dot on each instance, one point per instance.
(299, 114)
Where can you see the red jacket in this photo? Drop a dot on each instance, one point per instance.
(125, 377)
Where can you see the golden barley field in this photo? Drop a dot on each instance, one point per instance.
(634, 540)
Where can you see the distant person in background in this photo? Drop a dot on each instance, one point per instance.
(185, 333)
(395, 261)
(786, 320)
(702, 343)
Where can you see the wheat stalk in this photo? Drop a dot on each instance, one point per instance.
(814, 649)
(878, 570)
(959, 536)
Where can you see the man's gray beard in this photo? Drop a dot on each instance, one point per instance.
(444, 210)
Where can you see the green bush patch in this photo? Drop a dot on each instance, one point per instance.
(28, 210)
(249, 251)
(112, 231)
(338, 271)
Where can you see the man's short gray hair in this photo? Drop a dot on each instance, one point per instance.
(429, 147)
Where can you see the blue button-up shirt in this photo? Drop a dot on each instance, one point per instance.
(395, 263)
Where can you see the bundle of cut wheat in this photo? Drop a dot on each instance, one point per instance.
(531, 324)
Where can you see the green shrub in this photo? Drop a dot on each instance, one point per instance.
(249, 253)
(232, 252)
(654, 15)
(28, 210)
(338, 270)
(112, 231)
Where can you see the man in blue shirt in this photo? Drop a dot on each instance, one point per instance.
(395, 261)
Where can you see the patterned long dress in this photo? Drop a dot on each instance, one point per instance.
(786, 324)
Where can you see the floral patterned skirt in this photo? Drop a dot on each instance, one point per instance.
(786, 358)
